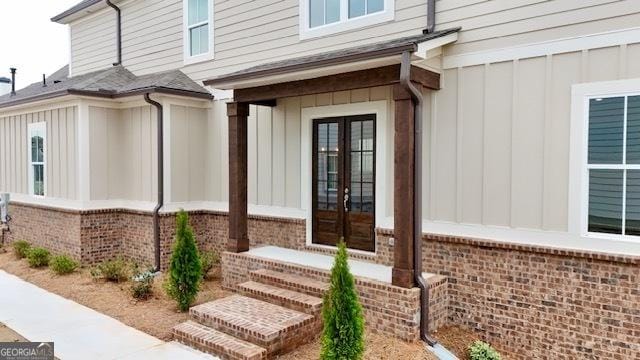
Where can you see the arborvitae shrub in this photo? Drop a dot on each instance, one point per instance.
(343, 334)
(185, 269)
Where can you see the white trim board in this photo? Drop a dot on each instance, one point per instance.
(571, 44)
(380, 109)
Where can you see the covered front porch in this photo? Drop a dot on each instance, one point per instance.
(350, 204)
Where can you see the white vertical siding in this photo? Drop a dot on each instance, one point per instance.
(123, 153)
(60, 152)
(502, 135)
(188, 153)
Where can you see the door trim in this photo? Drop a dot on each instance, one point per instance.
(383, 173)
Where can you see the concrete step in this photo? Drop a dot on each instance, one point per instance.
(290, 299)
(217, 343)
(273, 327)
(290, 282)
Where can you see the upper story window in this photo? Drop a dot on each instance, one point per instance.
(37, 158)
(198, 30)
(324, 17)
(613, 164)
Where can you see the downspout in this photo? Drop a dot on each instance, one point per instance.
(416, 96)
(431, 17)
(118, 32)
(156, 210)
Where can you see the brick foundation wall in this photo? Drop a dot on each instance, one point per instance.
(388, 309)
(96, 235)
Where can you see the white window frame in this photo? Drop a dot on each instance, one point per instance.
(31, 128)
(345, 23)
(579, 154)
(186, 40)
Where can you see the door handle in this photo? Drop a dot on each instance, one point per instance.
(346, 199)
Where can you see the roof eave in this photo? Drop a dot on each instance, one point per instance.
(73, 13)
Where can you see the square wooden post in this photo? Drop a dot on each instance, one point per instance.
(403, 188)
(238, 233)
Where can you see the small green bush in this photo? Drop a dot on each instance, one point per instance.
(185, 269)
(343, 334)
(142, 285)
(63, 264)
(209, 259)
(21, 249)
(482, 351)
(116, 270)
(38, 257)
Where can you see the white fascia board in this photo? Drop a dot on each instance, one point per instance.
(426, 46)
(557, 46)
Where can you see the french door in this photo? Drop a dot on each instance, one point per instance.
(343, 178)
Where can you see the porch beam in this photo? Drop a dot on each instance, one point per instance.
(238, 232)
(403, 188)
(386, 75)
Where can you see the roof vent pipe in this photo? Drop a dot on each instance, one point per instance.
(431, 17)
(13, 81)
(44, 80)
(118, 32)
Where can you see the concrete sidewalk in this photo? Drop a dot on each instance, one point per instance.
(77, 331)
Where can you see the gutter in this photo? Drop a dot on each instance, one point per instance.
(416, 96)
(118, 31)
(156, 210)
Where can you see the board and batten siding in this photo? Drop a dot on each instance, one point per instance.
(123, 153)
(61, 152)
(274, 147)
(189, 154)
(501, 136)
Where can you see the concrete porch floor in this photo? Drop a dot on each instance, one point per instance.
(325, 262)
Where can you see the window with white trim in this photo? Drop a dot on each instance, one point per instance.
(323, 17)
(198, 30)
(37, 158)
(613, 165)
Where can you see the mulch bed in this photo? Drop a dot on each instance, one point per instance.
(457, 339)
(155, 316)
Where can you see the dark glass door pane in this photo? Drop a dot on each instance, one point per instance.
(606, 123)
(605, 201)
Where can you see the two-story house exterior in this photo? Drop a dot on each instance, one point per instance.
(510, 125)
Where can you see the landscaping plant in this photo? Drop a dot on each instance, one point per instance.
(116, 270)
(480, 350)
(38, 257)
(209, 259)
(63, 264)
(142, 284)
(343, 334)
(21, 248)
(185, 269)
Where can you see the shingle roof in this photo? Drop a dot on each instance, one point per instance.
(112, 82)
(358, 53)
(5, 80)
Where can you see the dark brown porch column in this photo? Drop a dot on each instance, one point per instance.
(238, 238)
(403, 188)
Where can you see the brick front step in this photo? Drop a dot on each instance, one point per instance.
(270, 326)
(215, 342)
(290, 282)
(290, 299)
